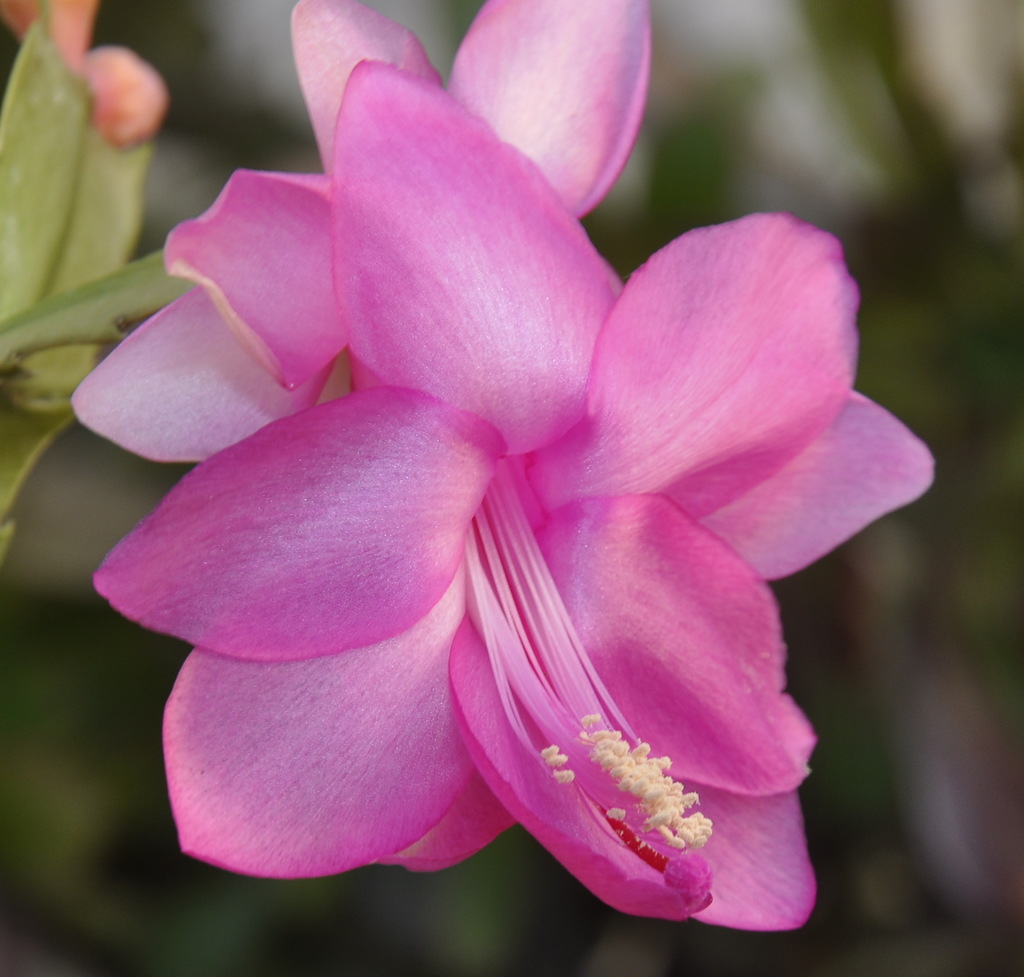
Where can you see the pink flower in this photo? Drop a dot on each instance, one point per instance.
(565, 83)
(532, 541)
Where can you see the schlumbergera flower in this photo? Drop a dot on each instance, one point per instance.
(517, 574)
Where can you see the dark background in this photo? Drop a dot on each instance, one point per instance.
(897, 125)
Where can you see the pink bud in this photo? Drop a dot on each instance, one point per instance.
(129, 95)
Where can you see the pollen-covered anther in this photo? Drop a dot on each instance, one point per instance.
(661, 798)
(554, 757)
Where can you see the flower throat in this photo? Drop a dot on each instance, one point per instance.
(554, 699)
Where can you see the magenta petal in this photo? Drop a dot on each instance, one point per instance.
(725, 355)
(686, 637)
(569, 826)
(181, 388)
(863, 466)
(263, 253)
(331, 529)
(330, 37)
(763, 879)
(474, 820)
(459, 269)
(565, 83)
(308, 768)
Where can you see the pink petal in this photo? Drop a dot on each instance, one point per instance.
(181, 388)
(331, 529)
(459, 269)
(863, 466)
(763, 879)
(556, 814)
(685, 636)
(726, 354)
(263, 253)
(474, 820)
(308, 768)
(330, 37)
(565, 83)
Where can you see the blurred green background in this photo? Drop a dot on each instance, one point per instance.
(897, 124)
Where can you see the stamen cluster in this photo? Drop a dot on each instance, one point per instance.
(662, 799)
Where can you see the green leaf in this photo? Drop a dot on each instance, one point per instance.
(40, 365)
(42, 126)
(24, 435)
(99, 312)
(106, 217)
(103, 226)
(47, 379)
(70, 213)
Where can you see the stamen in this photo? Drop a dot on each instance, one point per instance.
(660, 797)
(546, 681)
(553, 758)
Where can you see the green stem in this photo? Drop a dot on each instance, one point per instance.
(100, 312)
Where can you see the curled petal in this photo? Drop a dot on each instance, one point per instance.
(864, 465)
(474, 820)
(687, 638)
(763, 879)
(565, 83)
(181, 388)
(459, 269)
(330, 37)
(725, 356)
(327, 530)
(558, 815)
(263, 253)
(301, 768)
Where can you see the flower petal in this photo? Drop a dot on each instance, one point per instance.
(565, 83)
(474, 820)
(181, 388)
(685, 636)
(763, 879)
(459, 269)
(263, 253)
(863, 466)
(303, 768)
(726, 354)
(331, 529)
(569, 826)
(330, 37)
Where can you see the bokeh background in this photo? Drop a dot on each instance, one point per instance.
(896, 124)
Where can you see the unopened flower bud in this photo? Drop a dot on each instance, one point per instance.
(129, 95)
